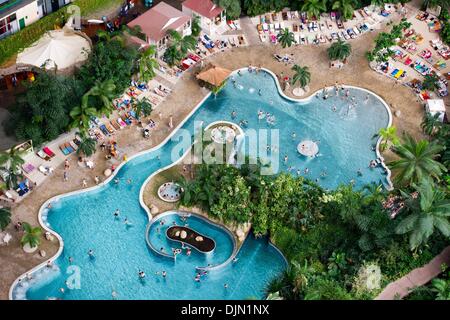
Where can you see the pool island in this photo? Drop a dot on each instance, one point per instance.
(192, 238)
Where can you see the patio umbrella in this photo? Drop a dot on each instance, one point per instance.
(56, 49)
(214, 75)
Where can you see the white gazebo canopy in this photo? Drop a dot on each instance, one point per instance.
(434, 106)
(56, 49)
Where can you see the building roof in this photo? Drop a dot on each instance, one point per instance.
(214, 75)
(158, 20)
(205, 8)
(11, 6)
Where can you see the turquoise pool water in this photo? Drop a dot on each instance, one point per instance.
(86, 221)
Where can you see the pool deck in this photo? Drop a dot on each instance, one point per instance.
(186, 95)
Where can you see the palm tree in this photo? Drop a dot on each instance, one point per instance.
(103, 91)
(5, 218)
(374, 194)
(182, 43)
(11, 160)
(82, 114)
(339, 50)
(429, 211)
(148, 64)
(417, 161)
(172, 56)
(430, 82)
(87, 144)
(32, 236)
(286, 38)
(388, 135)
(430, 123)
(143, 107)
(442, 289)
(378, 3)
(314, 8)
(345, 7)
(302, 75)
(195, 26)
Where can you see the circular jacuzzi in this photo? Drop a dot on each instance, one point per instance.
(170, 192)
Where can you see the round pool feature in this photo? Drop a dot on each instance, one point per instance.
(170, 192)
(308, 148)
(192, 238)
(223, 134)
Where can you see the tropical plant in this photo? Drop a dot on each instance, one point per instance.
(143, 107)
(441, 287)
(87, 144)
(172, 56)
(388, 135)
(148, 64)
(345, 7)
(232, 7)
(430, 82)
(195, 26)
(12, 159)
(378, 3)
(301, 75)
(431, 123)
(339, 50)
(102, 93)
(5, 218)
(82, 114)
(429, 211)
(286, 38)
(434, 3)
(32, 235)
(417, 161)
(183, 44)
(314, 8)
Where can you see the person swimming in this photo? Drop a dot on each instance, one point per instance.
(117, 213)
(91, 253)
(141, 274)
(293, 135)
(233, 114)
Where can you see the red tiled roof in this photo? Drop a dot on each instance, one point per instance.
(206, 8)
(156, 21)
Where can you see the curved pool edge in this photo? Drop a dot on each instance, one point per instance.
(215, 224)
(173, 132)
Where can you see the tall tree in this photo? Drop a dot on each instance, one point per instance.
(301, 75)
(429, 211)
(388, 135)
(82, 114)
(232, 7)
(148, 64)
(345, 7)
(143, 107)
(417, 161)
(339, 50)
(102, 93)
(87, 144)
(32, 235)
(314, 8)
(286, 38)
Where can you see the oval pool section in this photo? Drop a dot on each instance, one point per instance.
(85, 221)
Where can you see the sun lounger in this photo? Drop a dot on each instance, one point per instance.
(41, 154)
(109, 127)
(394, 72)
(122, 123)
(28, 167)
(241, 40)
(115, 125)
(408, 61)
(160, 93)
(104, 130)
(399, 74)
(73, 144)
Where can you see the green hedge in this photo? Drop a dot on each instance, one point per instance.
(27, 36)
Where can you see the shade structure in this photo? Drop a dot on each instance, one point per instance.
(434, 106)
(214, 75)
(59, 49)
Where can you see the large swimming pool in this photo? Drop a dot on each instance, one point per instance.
(85, 221)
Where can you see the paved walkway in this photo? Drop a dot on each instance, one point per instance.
(250, 31)
(416, 278)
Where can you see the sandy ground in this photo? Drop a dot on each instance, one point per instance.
(186, 95)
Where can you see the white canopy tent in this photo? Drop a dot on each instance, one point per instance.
(56, 49)
(434, 106)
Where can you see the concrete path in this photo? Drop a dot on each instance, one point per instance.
(249, 29)
(416, 278)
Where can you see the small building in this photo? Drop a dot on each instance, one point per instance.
(155, 23)
(17, 14)
(434, 106)
(212, 17)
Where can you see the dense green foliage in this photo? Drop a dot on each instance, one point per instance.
(301, 75)
(340, 50)
(232, 7)
(385, 40)
(52, 104)
(5, 218)
(31, 236)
